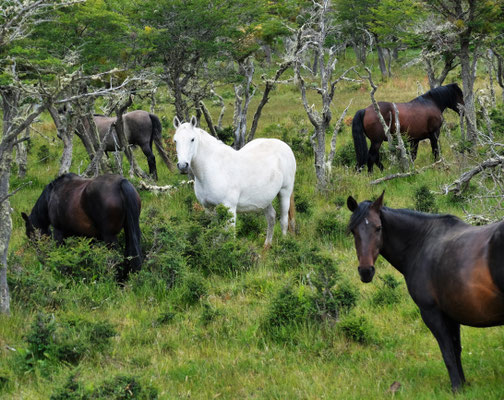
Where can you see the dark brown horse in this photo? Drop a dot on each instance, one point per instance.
(97, 208)
(419, 119)
(141, 129)
(454, 271)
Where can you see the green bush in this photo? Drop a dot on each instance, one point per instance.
(44, 155)
(121, 387)
(303, 203)
(331, 225)
(250, 225)
(213, 247)
(387, 293)
(357, 328)
(425, 200)
(69, 339)
(80, 258)
(286, 308)
(194, 286)
(345, 155)
(497, 117)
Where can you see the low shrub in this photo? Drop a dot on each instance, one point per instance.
(120, 387)
(425, 200)
(387, 293)
(331, 226)
(79, 258)
(345, 155)
(213, 247)
(357, 328)
(69, 339)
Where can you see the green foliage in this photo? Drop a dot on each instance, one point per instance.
(213, 247)
(303, 203)
(82, 259)
(226, 135)
(497, 117)
(357, 328)
(67, 340)
(250, 225)
(44, 155)
(345, 155)
(121, 387)
(425, 200)
(387, 293)
(194, 287)
(330, 225)
(286, 308)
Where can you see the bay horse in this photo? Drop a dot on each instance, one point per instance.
(419, 119)
(454, 271)
(243, 180)
(97, 208)
(141, 129)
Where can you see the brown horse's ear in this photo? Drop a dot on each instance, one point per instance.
(378, 203)
(352, 204)
(176, 122)
(25, 217)
(194, 121)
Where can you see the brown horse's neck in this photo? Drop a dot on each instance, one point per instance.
(407, 234)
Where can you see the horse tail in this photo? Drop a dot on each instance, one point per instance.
(360, 144)
(292, 214)
(156, 137)
(131, 225)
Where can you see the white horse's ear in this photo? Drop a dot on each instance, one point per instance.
(194, 121)
(176, 122)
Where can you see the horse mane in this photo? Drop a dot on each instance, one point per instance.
(212, 138)
(443, 96)
(363, 210)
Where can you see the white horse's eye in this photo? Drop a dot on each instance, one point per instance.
(192, 140)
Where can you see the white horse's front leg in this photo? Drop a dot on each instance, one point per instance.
(270, 217)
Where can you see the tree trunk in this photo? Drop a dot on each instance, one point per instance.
(5, 228)
(468, 87)
(381, 59)
(22, 155)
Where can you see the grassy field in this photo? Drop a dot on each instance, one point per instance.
(211, 316)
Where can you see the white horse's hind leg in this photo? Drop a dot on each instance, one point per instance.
(284, 209)
(270, 217)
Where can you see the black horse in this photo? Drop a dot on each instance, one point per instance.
(97, 208)
(454, 271)
(141, 129)
(421, 118)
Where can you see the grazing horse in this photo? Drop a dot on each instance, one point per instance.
(97, 208)
(243, 180)
(454, 271)
(421, 118)
(140, 129)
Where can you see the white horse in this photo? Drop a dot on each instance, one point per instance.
(245, 180)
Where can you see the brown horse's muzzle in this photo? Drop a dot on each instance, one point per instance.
(366, 273)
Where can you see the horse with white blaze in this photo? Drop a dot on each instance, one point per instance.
(243, 180)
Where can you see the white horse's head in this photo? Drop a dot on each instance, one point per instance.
(186, 141)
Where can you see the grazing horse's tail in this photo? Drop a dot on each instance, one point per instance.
(132, 226)
(156, 137)
(359, 139)
(292, 214)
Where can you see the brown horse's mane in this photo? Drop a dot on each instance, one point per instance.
(443, 96)
(362, 211)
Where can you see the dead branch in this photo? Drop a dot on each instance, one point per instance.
(161, 189)
(405, 174)
(461, 184)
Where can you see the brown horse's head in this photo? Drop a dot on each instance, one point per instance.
(366, 227)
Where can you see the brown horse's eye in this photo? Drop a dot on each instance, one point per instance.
(378, 228)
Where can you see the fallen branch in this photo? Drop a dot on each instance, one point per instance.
(160, 189)
(404, 174)
(461, 184)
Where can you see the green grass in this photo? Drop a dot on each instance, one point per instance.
(213, 344)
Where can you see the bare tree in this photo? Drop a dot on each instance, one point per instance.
(313, 36)
(17, 19)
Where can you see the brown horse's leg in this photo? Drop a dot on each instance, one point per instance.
(414, 148)
(434, 144)
(443, 330)
(374, 156)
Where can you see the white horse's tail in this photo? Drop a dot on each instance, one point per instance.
(292, 215)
